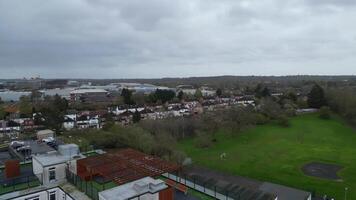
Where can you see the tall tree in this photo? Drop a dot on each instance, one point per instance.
(198, 94)
(51, 114)
(25, 106)
(265, 92)
(316, 97)
(127, 95)
(219, 92)
(180, 95)
(261, 92)
(162, 95)
(2, 111)
(136, 117)
(139, 99)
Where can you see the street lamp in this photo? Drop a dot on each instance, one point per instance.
(346, 193)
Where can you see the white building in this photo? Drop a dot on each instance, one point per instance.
(55, 193)
(143, 189)
(51, 168)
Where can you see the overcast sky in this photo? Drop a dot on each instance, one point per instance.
(176, 38)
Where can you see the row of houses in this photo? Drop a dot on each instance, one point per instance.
(121, 114)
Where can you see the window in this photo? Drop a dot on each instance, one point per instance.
(52, 195)
(33, 198)
(52, 174)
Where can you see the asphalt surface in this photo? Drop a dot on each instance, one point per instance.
(322, 170)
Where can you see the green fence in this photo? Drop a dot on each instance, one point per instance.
(90, 188)
(17, 184)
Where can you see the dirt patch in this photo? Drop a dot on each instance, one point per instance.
(322, 170)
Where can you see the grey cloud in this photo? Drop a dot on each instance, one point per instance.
(155, 38)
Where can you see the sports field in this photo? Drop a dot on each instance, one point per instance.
(277, 154)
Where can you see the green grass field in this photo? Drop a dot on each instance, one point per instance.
(276, 154)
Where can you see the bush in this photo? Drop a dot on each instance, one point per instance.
(325, 112)
(283, 121)
(261, 119)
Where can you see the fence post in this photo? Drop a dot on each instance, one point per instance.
(91, 186)
(86, 187)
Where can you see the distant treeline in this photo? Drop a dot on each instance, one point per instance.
(231, 81)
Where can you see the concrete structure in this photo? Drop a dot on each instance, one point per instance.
(186, 89)
(63, 93)
(143, 189)
(51, 168)
(89, 95)
(55, 193)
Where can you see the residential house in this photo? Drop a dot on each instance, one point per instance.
(50, 168)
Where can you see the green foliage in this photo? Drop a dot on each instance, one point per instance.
(198, 94)
(270, 108)
(135, 137)
(261, 92)
(219, 92)
(292, 96)
(52, 112)
(136, 117)
(343, 102)
(325, 112)
(180, 95)
(25, 106)
(162, 96)
(139, 99)
(127, 96)
(283, 121)
(2, 112)
(316, 97)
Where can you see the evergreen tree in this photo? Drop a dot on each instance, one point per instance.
(2, 112)
(180, 95)
(136, 117)
(198, 94)
(127, 96)
(219, 92)
(316, 97)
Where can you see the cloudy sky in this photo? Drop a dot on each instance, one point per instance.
(176, 38)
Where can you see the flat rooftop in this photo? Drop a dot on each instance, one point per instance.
(54, 158)
(51, 159)
(134, 189)
(38, 148)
